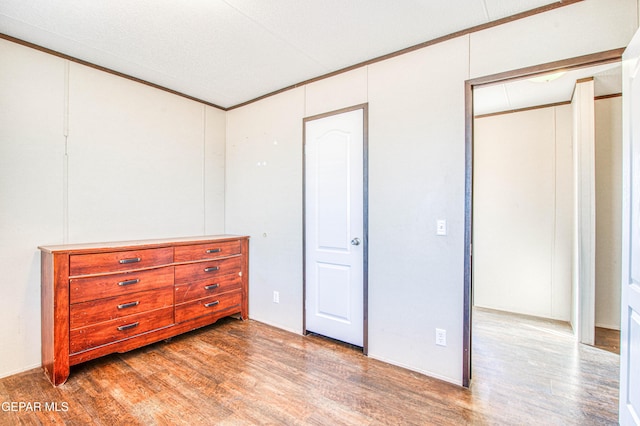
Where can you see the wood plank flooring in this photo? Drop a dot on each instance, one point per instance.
(608, 339)
(532, 371)
(525, 371)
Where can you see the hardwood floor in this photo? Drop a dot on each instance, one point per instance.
(532, 371)
(608, 339)
(525, 371)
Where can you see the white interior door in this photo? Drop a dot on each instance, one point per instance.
(630, 294)
(334, 226)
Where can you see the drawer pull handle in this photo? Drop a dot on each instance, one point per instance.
(211, 269)
(131, 260)
(129, 282)
(128, 305)
(218, 250)
(128, 326)
(208, 305)
(212, 286)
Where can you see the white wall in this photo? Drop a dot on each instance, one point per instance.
(136, 160)
(515, 273)
(416, 178)
(564, 215)
(522, 198)
(416, 168)
(140, 163)
(31, 193)
(608, 211)
(263, 193)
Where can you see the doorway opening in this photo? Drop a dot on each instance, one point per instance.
(552, 263)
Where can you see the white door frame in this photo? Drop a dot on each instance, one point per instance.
(365, 211)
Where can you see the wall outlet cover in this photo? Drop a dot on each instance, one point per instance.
(441, 337)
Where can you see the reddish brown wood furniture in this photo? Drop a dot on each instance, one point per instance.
(103, 298)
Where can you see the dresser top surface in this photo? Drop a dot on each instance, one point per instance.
(150, 243)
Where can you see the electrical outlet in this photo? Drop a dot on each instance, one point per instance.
(441, 337)
(276, 297)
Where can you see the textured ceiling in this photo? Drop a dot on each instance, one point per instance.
(525, 93)
(230, 51)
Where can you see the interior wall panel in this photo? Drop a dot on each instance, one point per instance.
(608, 211)
(416, 177)
(136, 167)
(264, 201)
(514, 211)
(340, 91)
(31, 193)
(563, 235)
(214, 169)
(523, 212)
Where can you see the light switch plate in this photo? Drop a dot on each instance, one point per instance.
(441, 227)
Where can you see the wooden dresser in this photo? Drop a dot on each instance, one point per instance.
(103, 298)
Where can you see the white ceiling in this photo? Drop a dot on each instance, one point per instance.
(526, 93)
(230, 51)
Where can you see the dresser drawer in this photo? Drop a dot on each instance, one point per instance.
(87, 264)
(85, 338)
(206, 251)
(208, 269)
(86, 289)
(88, 313)
(230, 302)
(204, 288)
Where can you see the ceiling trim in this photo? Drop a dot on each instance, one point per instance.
(555, 104)
(522, 15)
(513, 111)
(105, 69)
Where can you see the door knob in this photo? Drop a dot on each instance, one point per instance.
(355, 242)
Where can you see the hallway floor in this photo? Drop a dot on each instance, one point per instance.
(534, 370)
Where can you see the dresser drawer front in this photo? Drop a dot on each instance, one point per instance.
(209, 269)
(230, 302)
(205, 288)
(89, 337)
(206, 251)
(86, 289)
(92, 312)
(98, 263)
